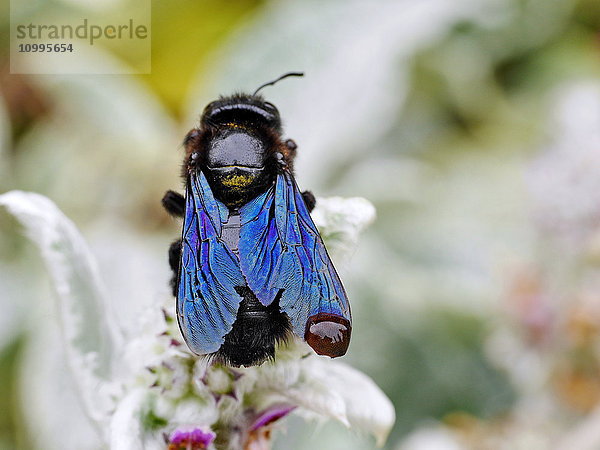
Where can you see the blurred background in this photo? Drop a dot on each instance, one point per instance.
(473, 126)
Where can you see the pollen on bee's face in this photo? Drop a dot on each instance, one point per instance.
(237, 181)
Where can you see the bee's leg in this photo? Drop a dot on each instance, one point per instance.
(310, 200)
(174, 261)
(174, 203)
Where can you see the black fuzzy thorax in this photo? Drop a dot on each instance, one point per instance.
(198, 144)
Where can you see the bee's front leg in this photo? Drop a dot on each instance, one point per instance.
(174, 203)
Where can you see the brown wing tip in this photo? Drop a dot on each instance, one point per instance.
(328, 334)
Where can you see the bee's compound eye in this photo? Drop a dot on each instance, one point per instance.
(270, 106)
(209, 109)
(328, 334)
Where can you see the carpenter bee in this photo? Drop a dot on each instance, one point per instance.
(250, 267)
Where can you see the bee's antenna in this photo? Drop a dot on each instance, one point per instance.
(285, 75)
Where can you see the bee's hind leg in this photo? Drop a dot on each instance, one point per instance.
(174, 262)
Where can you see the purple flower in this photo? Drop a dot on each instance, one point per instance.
(271, 415)
(190, 439)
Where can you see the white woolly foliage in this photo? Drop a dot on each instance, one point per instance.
(340, 222)
(331, 389)
(140, 391)
(90, 337)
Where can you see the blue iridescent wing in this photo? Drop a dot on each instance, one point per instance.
(207, 302)
(282, 254)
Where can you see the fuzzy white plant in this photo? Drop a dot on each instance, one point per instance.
(152, 393)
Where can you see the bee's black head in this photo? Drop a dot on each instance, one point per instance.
(239, 146)
(242, 109)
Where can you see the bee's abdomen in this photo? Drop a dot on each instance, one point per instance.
(255, 332)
